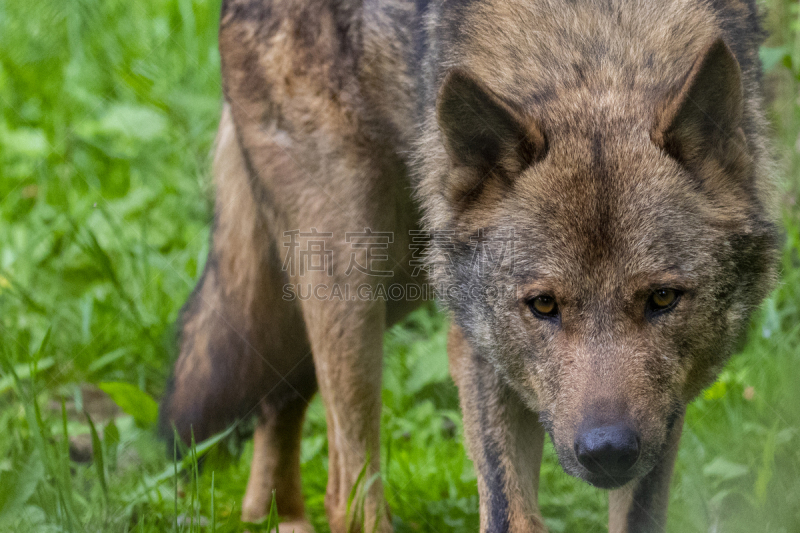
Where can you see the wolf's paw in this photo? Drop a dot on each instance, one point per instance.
(295, 526)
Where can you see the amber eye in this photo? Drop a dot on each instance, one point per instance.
(543, 306)
(662, 300)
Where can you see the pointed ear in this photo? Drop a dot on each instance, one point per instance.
(705, 113)
(481, 131)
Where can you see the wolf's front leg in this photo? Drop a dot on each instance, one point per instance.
(641, 505)
(504, 439)
(346, 340)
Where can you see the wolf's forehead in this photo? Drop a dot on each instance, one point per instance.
(603, 176)
(581, 258)
(606, 204)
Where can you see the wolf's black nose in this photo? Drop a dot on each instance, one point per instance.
(608, 450)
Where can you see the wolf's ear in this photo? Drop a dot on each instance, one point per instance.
(705, 113)
(482, 133)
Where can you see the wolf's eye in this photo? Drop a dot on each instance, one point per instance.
(543, 306)
(662, 300)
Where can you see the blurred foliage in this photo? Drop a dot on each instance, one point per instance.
(107, 114)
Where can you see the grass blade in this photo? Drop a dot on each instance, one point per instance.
(97, 456)
(175, 466)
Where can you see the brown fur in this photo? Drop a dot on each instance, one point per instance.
(621, 142)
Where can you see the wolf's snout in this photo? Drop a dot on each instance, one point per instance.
(608, 450)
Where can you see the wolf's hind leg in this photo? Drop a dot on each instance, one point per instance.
(276, 465)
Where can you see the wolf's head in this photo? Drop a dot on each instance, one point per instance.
(615, 243)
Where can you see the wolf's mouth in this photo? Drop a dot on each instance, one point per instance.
(607, 482)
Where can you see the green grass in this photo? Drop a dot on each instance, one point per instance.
(107, 114)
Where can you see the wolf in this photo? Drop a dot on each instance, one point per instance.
(592, 187)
